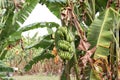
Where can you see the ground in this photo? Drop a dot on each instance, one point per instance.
(38, 77)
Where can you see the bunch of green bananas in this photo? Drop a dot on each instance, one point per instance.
(63, 41)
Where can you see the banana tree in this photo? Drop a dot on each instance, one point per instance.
(12, 12)
(87, 42)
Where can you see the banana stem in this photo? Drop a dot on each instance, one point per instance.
(66, 72)
(76, 67)
(76, 63)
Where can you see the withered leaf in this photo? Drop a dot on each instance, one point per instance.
(87, 56)
(100, 66)
(83, 45)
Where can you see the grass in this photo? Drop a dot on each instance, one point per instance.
(37, 77)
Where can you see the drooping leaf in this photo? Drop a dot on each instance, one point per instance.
(54, 6)
(100, 35)
(43, 55)
(38, 25)
(43, 43)
(28, 6)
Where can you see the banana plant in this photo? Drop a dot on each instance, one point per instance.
(95, 42)
(88, 43)
(12, 13)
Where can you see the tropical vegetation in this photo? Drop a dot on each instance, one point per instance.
(87, 42)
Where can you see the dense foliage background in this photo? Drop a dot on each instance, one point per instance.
(95, 53)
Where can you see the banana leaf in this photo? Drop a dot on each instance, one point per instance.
(100, 35)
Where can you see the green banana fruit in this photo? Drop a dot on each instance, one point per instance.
(65, 55)
(63, 42)
(64, 45)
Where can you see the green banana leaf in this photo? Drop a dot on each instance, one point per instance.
(100, 35)
(4, 67)
(44, 54)
(54, 6)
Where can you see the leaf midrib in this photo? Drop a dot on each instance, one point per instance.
(106, 15)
